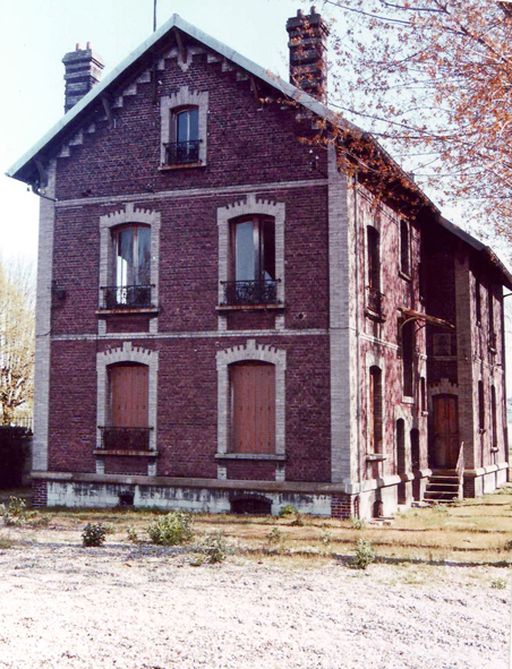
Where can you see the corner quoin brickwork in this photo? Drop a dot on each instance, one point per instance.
(127, 353)
(43, 325)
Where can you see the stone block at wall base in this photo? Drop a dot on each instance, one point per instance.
(39, 493)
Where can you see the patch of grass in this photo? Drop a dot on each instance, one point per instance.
(6, 543)
(499, 583)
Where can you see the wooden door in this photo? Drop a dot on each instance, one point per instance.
(253, 407)
(446, 430)
(128, 395)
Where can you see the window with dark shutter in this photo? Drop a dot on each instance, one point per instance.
(252, 407)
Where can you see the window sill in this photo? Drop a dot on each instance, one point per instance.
(138, 454)
(250, 456)
(494, 449)
(250, 307)
(404, 275)
(127, 310)
(376, 457)
(375, 316)
(407, 399)
(180, 166)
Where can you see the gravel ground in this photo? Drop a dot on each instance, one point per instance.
(141, 607)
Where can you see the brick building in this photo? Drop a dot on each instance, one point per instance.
(234, 313)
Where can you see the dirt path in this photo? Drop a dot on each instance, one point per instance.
(129, 607)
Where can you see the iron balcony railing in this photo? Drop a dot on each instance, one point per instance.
(374, 301)
(125, 438)
(177, 153)
(250, 292)
(126, 297)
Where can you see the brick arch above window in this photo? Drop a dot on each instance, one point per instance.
(181, 99)
(251, 351)
(251, 206)
(127, 353)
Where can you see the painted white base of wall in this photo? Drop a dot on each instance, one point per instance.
(104, 495)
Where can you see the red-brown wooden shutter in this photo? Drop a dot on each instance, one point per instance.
(129, 395)
(253, 408)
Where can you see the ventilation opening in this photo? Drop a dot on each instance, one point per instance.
(378, 509)
(254, 506)
(126, 498)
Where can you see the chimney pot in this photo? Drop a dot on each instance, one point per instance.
(82, 71)
(308, 51)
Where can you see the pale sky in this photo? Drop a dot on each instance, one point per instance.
(35, 35)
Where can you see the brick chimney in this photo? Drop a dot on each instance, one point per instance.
(308, 49)
(83, 70)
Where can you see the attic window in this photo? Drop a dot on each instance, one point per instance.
(183, 131)
(184, 149)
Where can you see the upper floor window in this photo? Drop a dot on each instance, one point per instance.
(131, 267)
(405, 248)
(478, 301)
(253, 262)
(184, 116)
(408, 345)
(492, 330)
(374, 297)
(184, 147)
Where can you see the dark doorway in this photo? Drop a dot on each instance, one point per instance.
(446, 431)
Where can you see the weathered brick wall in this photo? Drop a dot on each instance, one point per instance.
(248, 143)
(379, 342)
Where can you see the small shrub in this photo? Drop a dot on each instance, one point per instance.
(287, 510)
(15, 513)
(326, 539)
(93, 535)
(298, 520)
(357, 523)
(364, 555)
(172, 529)
(274, 536)
(215, 548)
(132, 535)
(499, 583)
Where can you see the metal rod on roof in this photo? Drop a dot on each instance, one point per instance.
(154, 15)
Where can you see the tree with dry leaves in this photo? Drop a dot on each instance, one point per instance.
(16, 339)
(432, 80)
